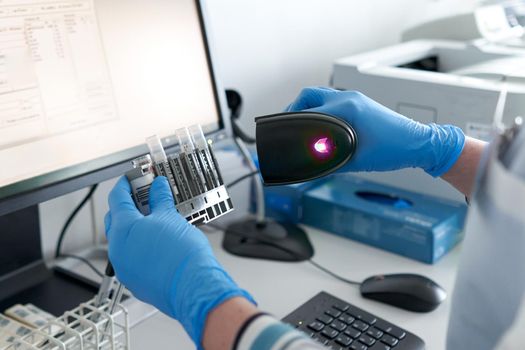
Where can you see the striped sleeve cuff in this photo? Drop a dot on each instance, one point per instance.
(266, 333)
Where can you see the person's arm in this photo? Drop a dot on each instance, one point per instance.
(390, 141)
(462, 175)
(168, 263)
(221, 335)
(238, 325)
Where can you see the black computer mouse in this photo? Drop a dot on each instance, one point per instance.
(406, 291)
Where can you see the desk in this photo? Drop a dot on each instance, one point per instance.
(281, 287)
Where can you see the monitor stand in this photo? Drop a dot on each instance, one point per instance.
(24, 276)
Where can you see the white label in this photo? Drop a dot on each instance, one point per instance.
(479, 131)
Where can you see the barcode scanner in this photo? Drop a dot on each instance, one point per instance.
(302, 146)
(292, 148)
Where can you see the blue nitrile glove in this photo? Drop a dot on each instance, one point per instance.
(165, 261)
(386, 139)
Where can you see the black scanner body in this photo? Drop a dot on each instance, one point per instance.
(302, 146)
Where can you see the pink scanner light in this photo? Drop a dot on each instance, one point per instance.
(323, 146)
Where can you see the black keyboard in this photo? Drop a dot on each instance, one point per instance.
(339, 325)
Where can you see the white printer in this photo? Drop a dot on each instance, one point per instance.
(445, 82)
(501, 24)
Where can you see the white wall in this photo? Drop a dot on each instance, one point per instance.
(268, 50)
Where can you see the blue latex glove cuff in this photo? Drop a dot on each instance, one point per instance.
(209, 286)
(446, 144)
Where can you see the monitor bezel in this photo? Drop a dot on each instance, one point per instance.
(42, 188)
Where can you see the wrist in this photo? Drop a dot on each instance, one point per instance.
(463, 174)
(443, 149)
(199, 285)
(218, 334)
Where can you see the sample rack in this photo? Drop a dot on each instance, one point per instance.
(86, 327)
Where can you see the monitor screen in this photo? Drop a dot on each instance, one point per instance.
(84, 82)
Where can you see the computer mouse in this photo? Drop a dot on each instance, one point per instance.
(407, 291)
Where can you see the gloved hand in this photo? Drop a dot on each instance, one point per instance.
(386, 139)
(165, 261)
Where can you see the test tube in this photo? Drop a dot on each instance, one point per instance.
(205, 157)
(183, 135)
(192, 174)
(180, 176)
(140, 179)
(161, 165)
(190, 162)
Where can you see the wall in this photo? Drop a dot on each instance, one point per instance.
(268, 50)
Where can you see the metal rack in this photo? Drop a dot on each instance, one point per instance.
(86, 327)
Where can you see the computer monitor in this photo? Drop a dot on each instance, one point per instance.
(82, 84)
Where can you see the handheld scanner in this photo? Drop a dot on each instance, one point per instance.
(302, 146)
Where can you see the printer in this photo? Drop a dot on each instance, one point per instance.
(445, 82)
(489, 24)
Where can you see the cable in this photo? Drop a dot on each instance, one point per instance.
(240, 138)
(85, 261)
(234, 100)
(334, 275)
(58, 250)
(242, 178)
(241, 134)
(313, 263)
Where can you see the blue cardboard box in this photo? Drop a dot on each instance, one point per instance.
(414, 225)
(284, 203)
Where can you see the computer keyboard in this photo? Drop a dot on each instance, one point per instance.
(339, 325)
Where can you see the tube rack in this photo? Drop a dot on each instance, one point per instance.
(86, 327)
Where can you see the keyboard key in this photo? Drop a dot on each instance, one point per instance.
(343, 340)
(358, 346)
(340, 326)
(308, 332)
(353, 333)
(316, 326)
(375, 332)
(336, 347)
(325, 319)
(396, 332)
(379, 346)
(341, 306)
(346, 318)
(360, 315)
(389, 340)
(365, 339)
(321, 340)
(333, 312)
(330, 333)
(366, 318)
(360, 325)
(390, 329)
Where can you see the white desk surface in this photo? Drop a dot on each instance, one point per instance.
(280, 287)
